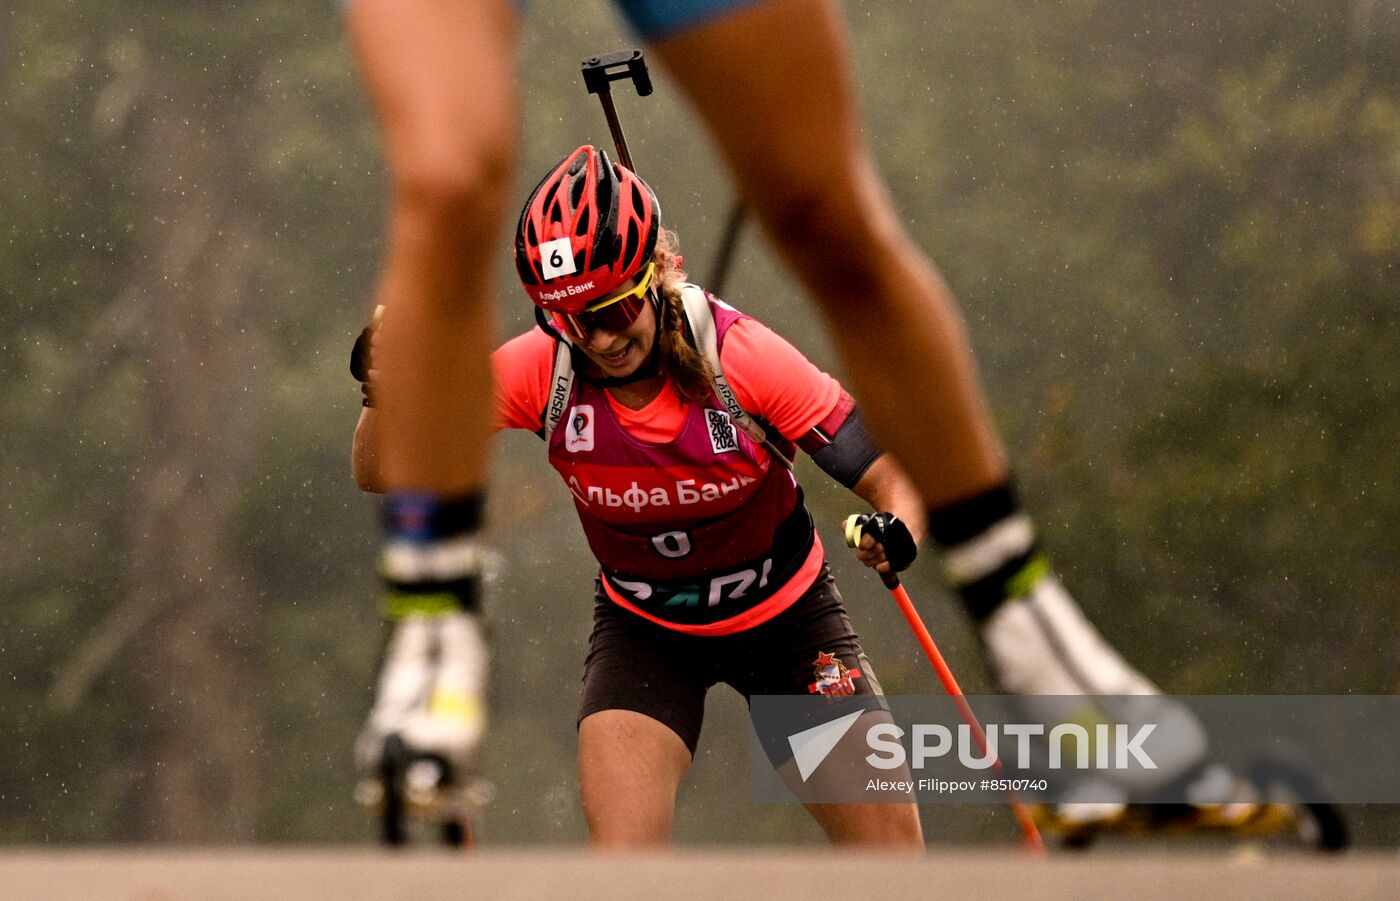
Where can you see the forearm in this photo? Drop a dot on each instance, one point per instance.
(886, 488)
(364, 457)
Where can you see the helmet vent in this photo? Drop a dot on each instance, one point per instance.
(633, 239)
(604, 214)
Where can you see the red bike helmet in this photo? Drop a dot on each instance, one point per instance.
(588, 228)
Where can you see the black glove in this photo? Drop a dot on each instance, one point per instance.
(890, 532)
(359, 355)
(360, 360)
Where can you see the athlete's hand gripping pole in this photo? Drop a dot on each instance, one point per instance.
(599, 72)
(854, 529)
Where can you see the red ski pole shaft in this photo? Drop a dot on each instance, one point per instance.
(940, 666)
(950, 685)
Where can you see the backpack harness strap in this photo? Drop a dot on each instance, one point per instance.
(561, 386)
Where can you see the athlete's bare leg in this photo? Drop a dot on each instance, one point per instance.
(890, 827)
(630, 768)
(773, 82)
(441, 77)
(886, 822)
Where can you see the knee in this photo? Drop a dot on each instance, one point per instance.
(626, 825)
(628, 838)
(896, 827)
(838, 234)
(455, 191)
(888, 827)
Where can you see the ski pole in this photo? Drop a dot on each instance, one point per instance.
(733, 227)
(950, 684)
(599, 72)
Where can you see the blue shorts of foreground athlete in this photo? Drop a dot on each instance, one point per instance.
(656, 20)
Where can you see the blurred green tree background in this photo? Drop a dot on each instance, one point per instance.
(1174, 229)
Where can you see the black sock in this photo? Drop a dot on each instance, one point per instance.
(432, 564)
(991, 555)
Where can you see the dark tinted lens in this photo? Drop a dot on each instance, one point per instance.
(614, 317)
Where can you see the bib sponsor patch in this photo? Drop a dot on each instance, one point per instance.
(578, 435)
(723, 438)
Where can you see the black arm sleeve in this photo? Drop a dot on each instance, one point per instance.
(851, 452)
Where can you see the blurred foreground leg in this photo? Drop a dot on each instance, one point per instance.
(773, 81)
(441, 79)
(442, 82)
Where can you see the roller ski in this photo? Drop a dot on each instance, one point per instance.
(417, 797)
(416, 753)
(1044, 652)
(1279, 800)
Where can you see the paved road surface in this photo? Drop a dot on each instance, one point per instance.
(311, 874)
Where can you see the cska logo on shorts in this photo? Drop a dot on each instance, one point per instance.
(579, 436)
(834, 678)
(723, 439)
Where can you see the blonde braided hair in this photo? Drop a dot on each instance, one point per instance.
(689, 371)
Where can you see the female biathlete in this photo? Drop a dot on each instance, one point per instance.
(772, 80)
(711, 568)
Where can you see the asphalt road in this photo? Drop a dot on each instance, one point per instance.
(310, 874)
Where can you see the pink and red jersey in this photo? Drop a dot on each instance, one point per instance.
(695, 525)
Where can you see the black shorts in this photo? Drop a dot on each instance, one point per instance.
(809, 648)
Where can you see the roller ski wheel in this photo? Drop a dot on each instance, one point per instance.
(1243, 820)
(1276, 812)
(1319, 822)
(414, 797)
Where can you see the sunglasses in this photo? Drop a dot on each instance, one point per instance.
(611, 314)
